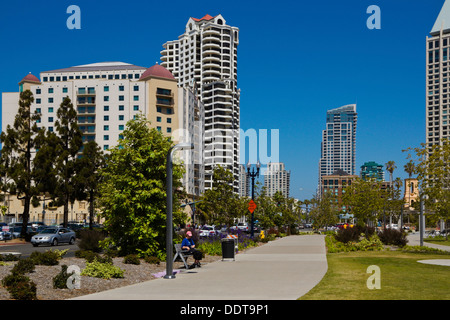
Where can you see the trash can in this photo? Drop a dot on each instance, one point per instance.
(228, 249)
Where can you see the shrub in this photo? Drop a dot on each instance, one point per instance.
(423, 249)
(90, 256)
(25, 290)
(102, 270)
(8, 257)
(47, 258)
(13, 278)
(90, 240)
(152, 260)
(131, 259)
(23, 266)
(393, 237)
(20, 287)
(60, 280)
(349, 234)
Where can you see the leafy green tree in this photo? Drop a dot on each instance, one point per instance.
(432, 166)
(365, 199)
(220, 205)
(266, 212)
(287, 209)
(133, 191)
(325, 210)
(67, 149)
(18, 144)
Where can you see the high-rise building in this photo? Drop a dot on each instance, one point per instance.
(277, 178)
(205, 56)
(106, 95)
(338, 147)
(438, 65)
(372, 170)
(244, 182)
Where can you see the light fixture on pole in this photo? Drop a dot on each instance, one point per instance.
(253, 175)
(169, 204)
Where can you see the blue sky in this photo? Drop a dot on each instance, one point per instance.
(296, 60)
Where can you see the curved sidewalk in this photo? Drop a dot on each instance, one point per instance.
(284, 269)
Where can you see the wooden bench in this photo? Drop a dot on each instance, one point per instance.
(183, 254)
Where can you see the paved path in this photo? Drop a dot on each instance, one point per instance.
(284, 269)
(414, 240)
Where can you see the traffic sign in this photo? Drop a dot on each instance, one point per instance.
(251, 206)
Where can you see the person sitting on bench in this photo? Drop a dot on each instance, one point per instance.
(188, 244)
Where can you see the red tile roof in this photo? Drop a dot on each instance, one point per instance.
(157, 71)
(207, 17)
(30, 78)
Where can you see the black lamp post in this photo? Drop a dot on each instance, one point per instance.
(253, 174)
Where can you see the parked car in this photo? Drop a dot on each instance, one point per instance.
(207, 231)
(392, 226)
(4, 235)
(53, 236)
(243, 226)
(17, 230)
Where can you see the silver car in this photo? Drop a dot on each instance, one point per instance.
(53, 236)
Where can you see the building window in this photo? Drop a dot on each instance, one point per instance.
(158, 119)
(106, 89)
(121, 108)
(121, 88)
(106, 118)
(136, 98)
(50, 110)
(64, 90)
(106, 128)
(169, 120)
(121, 117)
(121, 98)
(50, 90)
(136, 108)
(106, 98)
(136, 88)
(50, 119)
(38, 91)
(106, 108)
(169, 130)
(38, 101)
(105, 147)
(121, 126)
(106, 137)
(158, 128)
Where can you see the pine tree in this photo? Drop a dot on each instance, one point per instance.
(68, 147)
(18, 144)
(88, 176)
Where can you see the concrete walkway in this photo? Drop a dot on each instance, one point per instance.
(414, 240)
(284, 269)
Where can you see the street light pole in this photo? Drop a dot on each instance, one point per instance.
(253, 175)
(169, 204)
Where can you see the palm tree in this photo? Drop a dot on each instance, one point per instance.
(390, 167)
(409, 168)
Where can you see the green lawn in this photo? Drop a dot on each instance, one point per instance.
(440, 241)
(402, 277)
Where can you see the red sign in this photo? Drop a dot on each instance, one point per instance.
(251, 206)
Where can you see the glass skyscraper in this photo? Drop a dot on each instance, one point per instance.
(338, 147)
